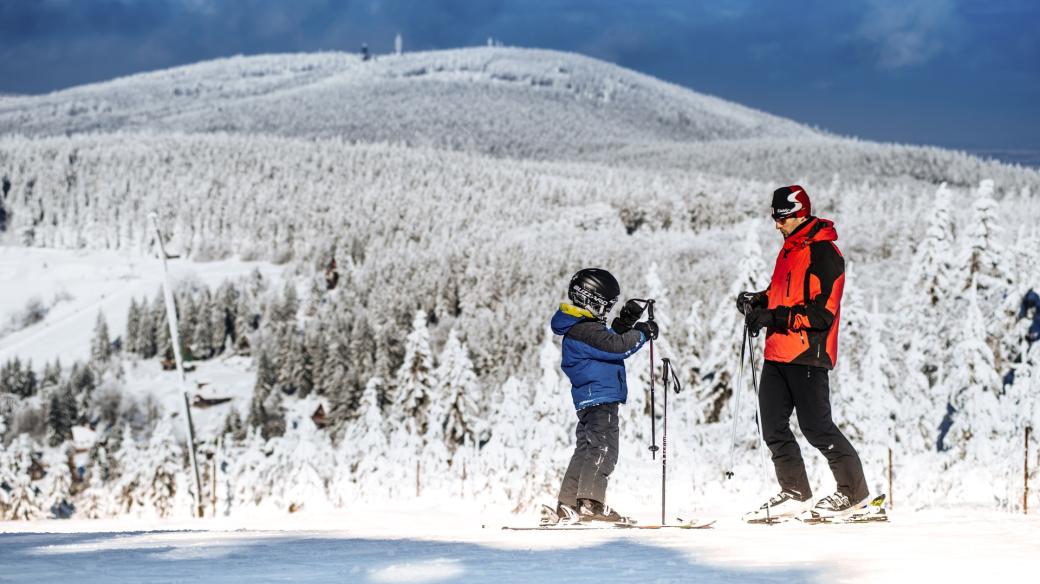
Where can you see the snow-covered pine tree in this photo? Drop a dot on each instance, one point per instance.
(284, 309)
(131, 485)
(266, 380)
(301, 367)
(244, 474)
(317, 351)
(225, 303)
(145, 344)
(132, 339)
(59, 418)
(163, 341)
(24, 500)
(984, 255)
(363, 352)
(638, 368)
(415, 378)
(101, 345)
(927, 289)
(434, 456)
(458, 387)
(548, 418)
(722, 358)
(365, 441)
(501, 474)
(187, 322)
(164, 464)
(864, 400)
(56, 486)
(18, 379)
(51, 377)
(298, 468)
(93, 503)
(202, 335)
(338, 376)
(973, 384)
(7, 473)
(691, 362)
(244, 319)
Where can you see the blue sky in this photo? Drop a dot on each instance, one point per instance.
(963, 74)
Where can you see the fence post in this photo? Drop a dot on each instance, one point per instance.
(890, 496)
(1025, 474)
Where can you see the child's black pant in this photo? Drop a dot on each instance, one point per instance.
(595, 454)
(806, 390)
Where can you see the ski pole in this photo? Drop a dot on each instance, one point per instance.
(653, 418)
(736, 408)
(666, 365)
(669, 378)
(754, 385)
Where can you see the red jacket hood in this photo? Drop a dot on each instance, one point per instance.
(815, 230)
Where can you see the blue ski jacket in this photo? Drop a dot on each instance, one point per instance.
(594, 356)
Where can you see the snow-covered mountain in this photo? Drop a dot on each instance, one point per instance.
(518, 102)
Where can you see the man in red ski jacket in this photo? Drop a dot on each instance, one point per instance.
(800, 312)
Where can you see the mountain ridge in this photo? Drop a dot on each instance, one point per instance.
(517, 102)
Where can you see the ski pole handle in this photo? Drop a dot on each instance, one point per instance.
(649, 308)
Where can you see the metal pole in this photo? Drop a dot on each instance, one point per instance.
(653, 399)
(1025, 474)
(666, 364)
(171, 319)
(213, 492)
(736, 406)
(890, 497)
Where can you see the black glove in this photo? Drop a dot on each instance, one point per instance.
(649, 329)
(746, 300)
(759, 318)
(630, 313)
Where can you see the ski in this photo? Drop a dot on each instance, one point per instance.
(611, 526)
(569, 527)
(874, 512)
(690, 525)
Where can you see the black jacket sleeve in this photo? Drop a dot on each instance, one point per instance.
(827, 265)
(597, 336)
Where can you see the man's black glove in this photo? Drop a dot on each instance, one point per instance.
(630, 313)
(759, 318)
(649, 329)
(748, 300)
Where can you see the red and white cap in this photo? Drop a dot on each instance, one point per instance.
(791, 201)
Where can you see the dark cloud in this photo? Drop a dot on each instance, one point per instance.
(958, 73)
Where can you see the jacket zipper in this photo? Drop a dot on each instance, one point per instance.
(788, 293)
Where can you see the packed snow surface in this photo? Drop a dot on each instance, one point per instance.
(426, 545)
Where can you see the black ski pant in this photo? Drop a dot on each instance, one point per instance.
(595, 454)
(806, 390)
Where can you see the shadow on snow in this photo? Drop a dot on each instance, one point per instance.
(187, 556)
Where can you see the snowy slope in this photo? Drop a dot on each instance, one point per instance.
(449, 546)
(77, 284)
(518, 102)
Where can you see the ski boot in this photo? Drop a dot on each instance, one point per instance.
(592, 510)
(784, 506)
(563, 514)
(839, 509)
(839, 505)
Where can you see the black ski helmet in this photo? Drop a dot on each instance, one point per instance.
(594, 289)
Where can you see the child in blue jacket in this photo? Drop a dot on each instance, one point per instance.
(593, 359)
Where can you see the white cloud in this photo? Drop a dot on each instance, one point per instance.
(907, 33)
